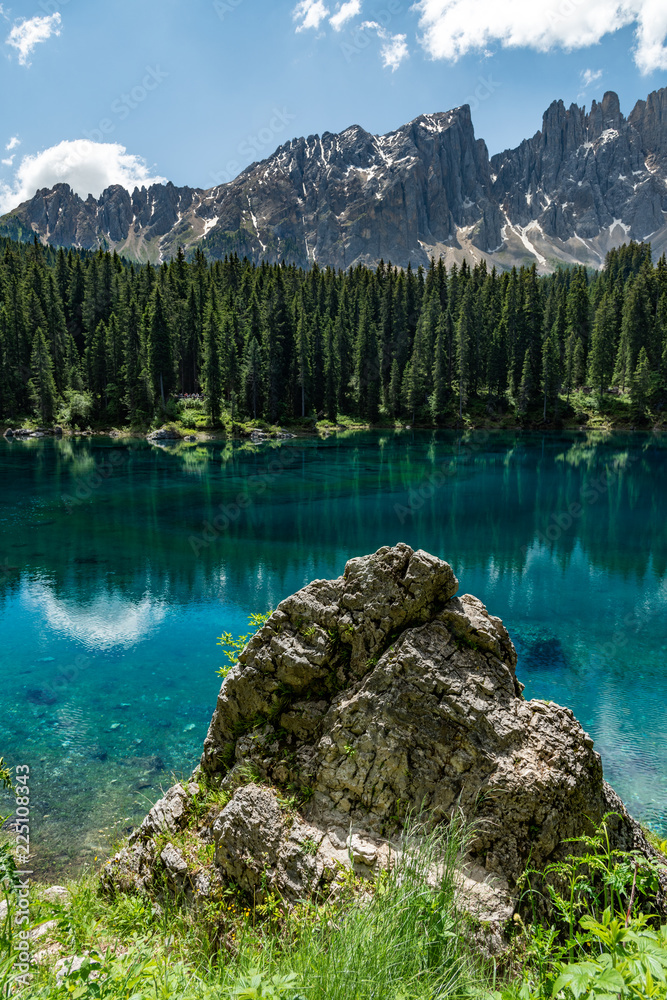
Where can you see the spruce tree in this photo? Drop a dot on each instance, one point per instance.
(439, 396)
(642, 382)
(367, 367)
(602, 353)
(303, 364)
(551, 375)
(42, 385)
(159, 348)
(526, 386)
(212, 374)
(331, 373)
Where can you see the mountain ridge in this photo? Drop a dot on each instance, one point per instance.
(584, 182)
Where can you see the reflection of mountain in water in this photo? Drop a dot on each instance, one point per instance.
(105, 524)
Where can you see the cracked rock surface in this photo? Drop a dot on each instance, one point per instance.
(365, 700)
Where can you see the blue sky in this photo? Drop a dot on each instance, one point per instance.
(194, 90)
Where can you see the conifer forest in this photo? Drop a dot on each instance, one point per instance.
(89, 338)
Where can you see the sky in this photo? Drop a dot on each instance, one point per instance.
(192, 91)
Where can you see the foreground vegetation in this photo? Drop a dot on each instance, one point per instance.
(89, 340)
(403, 937)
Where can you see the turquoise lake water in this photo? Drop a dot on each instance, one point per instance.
(121, 564)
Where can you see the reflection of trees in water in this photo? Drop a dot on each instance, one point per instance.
(132, 532)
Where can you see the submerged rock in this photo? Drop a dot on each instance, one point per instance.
(367, 700)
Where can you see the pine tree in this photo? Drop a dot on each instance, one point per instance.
(344, 353)
(602, 353)
(526, 386)
(278, 341)
(367, 367)
(642, 382)
(331, 373)
(42, 384)
(303, 365)
(465, 338)
(439, 395)
(569, 364)
(550, 369)
(159, 348)
(317, 362)
(137, 397)
(394, 394)
(252, 375)
(421, 362)
(212, 375)
(636, 328)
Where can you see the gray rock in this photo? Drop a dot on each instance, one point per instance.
(382, 695)
(176, 867)
(66, 966)
(131, 870)
(248, 835)
(42, 930)
(164, 434)
(169, 813)
(57, 894)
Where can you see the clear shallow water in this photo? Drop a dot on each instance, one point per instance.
(115, 583)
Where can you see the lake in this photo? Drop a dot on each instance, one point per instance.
(121, 562)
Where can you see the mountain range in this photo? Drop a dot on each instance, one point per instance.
(585, 182)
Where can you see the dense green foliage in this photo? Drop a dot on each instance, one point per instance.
(87, 337)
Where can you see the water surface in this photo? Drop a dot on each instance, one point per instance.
(122, 562)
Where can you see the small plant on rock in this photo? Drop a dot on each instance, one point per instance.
(233, 645)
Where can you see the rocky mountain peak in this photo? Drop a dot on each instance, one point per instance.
(586, 181)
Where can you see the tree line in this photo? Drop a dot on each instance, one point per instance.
(102, 339)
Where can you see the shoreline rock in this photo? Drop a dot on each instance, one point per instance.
(370, 701)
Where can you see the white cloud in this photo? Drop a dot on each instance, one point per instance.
(394, 51)
(13, 143)
(88, 167)
(589, 76)
(395, 48)
(8, 162)
(452, 28)
(25, 35)
(310, 13)
(345, 13)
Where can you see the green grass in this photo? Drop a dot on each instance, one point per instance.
(398, 939)
(403, 937)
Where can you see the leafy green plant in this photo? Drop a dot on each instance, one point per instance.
(5, 775)
(233, 645)
(598, 878)
(627, 959)
(261, 986)
(597, 947)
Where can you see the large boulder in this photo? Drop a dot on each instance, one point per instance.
(370, 699)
